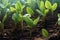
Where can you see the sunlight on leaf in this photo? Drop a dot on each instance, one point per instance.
(19, 6)
(42, 6)
(12, 9)
(29, 10)
(48, 5)
(27, 15)
(46, 11)
(54, 6)
(36, 21)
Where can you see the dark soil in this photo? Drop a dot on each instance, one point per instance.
(11, 33)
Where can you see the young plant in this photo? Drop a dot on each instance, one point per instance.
(45, 33)
(49, 6)
(3, 5)
(17, 16)
(42, 10)
(30, 22)
(58, 19)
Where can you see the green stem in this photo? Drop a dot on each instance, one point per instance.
(2, 26)
(22, 25)
(30, 32)
(21, 21)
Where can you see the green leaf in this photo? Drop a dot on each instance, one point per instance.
(12, 9)
(5, 3)
(27, 15)
(28, 1)
(36, 21)
(4, 18)
(16, 17)
(20, 17)
(54, 6)
(42, 6)
(46, 11)
(44, 32)
(58, 15)
(19, 6)
(58, 21)
(29, 21)
(1, 5)
(38, 2)
(48, 5)
(29, 10)
(39, 12)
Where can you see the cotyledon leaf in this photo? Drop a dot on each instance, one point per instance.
(36, 21)
(44, 32)
(54, 6)
(48, 4)
(29, 21)
(29, 10)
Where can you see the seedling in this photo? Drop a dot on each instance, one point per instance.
(51, 7)
(3, 5)
(45, 33)
(17, 16)
(29, 10)
(42, 10)
(58, 19)
(30, 22)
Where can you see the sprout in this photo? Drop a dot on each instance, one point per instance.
(58, 19)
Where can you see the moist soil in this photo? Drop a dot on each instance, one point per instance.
(50, 24)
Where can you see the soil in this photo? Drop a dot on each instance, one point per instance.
(11, 33)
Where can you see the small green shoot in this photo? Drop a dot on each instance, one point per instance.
(45, 33)
(31, 23)
(18, 16)
(58, 19)
(49, 6)
(29, 10)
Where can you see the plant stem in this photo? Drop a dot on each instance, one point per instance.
(2, 26)
(30, 32)
(22, 25)
(52, 13)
